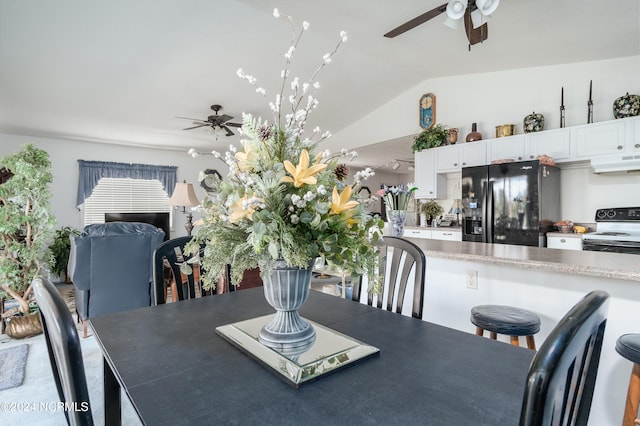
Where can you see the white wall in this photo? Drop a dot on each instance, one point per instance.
(506, 97)
(503, 97)
(64, 156)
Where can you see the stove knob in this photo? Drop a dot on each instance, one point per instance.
(601, 214)
(611, 214)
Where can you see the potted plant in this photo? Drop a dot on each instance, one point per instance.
(431, 209)
(26, 224)
(430, 138)
(59, 251)
(282, 205)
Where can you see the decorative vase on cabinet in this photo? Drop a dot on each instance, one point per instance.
(474, 135)
(533, 123)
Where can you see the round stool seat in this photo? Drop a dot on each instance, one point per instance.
(628, 345)
(506, 320)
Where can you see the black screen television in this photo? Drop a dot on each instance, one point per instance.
(157, 219)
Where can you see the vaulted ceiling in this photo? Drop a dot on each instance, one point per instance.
(121, 71)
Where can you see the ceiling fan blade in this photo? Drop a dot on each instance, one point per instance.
(474, 35)
(195, 127)
(417, 21)
(224, 118)
(233, 124)
(192, 119)
(228, 130)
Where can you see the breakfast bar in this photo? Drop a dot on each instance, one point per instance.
(545, 281)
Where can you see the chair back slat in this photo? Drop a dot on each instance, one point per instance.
(173, 252)
(400, 259)
(563, 372)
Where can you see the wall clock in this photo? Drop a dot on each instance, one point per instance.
(427, 110)
(209, 178)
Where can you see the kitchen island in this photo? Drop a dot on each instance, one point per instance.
(546, 281)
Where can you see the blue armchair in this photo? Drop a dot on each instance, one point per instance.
(110, 267)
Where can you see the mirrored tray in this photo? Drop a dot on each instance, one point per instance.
(330, 352)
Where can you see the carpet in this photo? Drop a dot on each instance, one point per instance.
(12, 364)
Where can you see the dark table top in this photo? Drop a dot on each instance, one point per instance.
(176, 370)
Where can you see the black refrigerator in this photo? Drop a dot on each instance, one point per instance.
(510, 203)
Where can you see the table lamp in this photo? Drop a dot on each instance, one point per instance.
(184, 196)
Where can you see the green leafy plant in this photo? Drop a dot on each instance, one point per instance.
(430, 138)
(60, 249)
(282, 201)
(431, 209)
(26, 223)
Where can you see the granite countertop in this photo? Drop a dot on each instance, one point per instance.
(590, 263)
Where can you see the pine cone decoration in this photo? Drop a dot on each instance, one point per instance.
(264, 132)
(341, 172)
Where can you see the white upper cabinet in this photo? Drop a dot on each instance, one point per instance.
(430, 184)
(473, 154)
(633, 136)
(506, 148)
(596, 139)
(448, 159)
(554, 143)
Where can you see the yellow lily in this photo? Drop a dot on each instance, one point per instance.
(244, 158)
(302, 173)
(238, 212)
(340, 202)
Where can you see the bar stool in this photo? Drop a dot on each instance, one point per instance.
(628, 345)
(506, 320)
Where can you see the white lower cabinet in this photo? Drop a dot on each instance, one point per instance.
(446, 235)
(564, 241)
(417, 233)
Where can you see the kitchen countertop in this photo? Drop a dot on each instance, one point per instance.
(589, 263)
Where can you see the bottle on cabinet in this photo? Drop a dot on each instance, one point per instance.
(474, 135)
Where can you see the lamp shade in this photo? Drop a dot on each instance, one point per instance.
(487, 7)
(456, 9)
(183, 195)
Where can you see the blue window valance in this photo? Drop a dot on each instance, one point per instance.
(92, 171)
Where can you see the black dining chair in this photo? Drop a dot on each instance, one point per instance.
(398, 259)
(65, 354)
(171, 254)
(562, 375)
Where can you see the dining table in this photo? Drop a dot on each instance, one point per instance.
(176, 370)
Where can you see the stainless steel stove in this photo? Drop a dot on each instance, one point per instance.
(617, 230)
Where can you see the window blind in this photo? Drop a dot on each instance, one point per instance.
(124, 195)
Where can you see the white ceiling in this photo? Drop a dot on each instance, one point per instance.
(121, 71)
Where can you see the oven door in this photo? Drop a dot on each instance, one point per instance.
(630, 247)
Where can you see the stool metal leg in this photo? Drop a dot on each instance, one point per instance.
(633, 397)
(515, 341)
(531, 342)
(479, 331)
(493, 335)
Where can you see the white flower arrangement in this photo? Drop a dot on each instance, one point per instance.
(281, 201)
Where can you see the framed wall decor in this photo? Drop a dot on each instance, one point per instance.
(427, 110)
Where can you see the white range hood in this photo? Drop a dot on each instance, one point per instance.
(616, 163)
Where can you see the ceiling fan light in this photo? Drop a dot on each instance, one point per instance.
(487, 7)
(477, 18)
(452, 23)
(456, 8)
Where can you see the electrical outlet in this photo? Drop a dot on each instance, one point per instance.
(472, 280)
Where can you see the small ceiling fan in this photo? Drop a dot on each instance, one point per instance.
(213, 121)
(473, 12)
